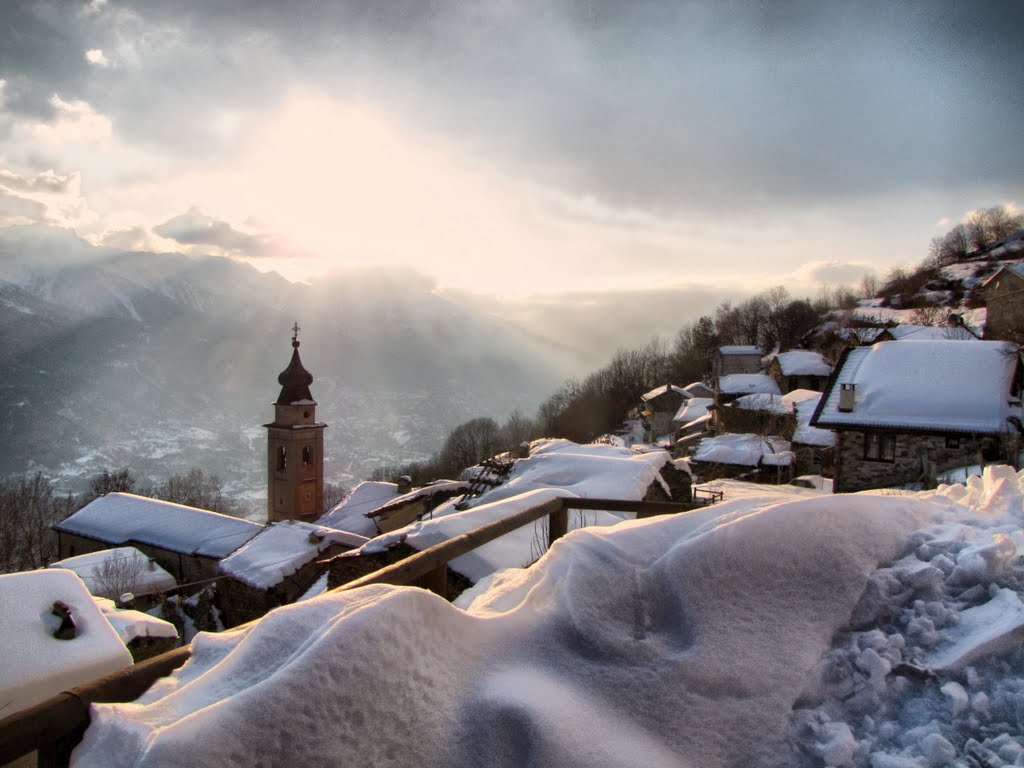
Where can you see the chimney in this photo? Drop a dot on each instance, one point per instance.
(847, 395)
(404, 485)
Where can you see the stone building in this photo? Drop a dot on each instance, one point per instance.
(800, 369)
(905, 411)
(734, 358)
(1004, 299)
(185, 541)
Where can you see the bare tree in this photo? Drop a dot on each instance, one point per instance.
(334, 494)
(196, 489)
(28, 509)
(119, 573)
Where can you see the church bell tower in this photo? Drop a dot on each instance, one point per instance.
(295, 447)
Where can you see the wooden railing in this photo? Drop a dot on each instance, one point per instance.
(54, 727)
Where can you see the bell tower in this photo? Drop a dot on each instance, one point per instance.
(295, 447)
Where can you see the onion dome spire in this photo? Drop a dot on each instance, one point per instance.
(294, 379)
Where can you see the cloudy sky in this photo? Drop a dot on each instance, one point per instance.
(515, 147)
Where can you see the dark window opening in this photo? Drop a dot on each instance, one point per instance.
(282, 458)
(305, 414)
(879, 446)
(307, 455)
(953, 441)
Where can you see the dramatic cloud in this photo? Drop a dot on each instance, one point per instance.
(535, 145)
(42, 182)
(19, 210)
(196, 228)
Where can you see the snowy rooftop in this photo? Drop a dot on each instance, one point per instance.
(737, 349)
(945, 386)
(768, 630)
(693, 409)
(804, 404)
(911, 332)
(662, 390)
(36, 664)
(803, 362)
(747, 384)
(743, 450)
(146, 576)
(282, 549)
(119, 518)
(132, 625)
(699, 389)
(426, 491)
(763, 402)
(350, 514)
(554, 468)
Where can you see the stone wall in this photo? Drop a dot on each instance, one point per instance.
(855, 473)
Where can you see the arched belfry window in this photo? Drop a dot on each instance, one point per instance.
(282, 458)
(307, 455)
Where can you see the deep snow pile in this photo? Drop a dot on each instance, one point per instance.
(932, 671)
(866, 630)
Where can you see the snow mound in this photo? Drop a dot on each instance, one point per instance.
(36, 664)
(673, 641)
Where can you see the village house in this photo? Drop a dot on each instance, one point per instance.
(185, 541)
(905, 411)
(799, 369)
(658, 408)
(276, 567)
(753, 457)
(734, 358)
(1004, 298)
(787, 416)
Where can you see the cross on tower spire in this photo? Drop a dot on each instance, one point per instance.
(295, 334)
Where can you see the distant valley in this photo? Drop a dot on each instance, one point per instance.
(164, 362)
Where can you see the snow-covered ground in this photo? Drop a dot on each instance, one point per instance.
(783, 627)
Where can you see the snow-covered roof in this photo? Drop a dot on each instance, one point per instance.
(281, 549)
(132, 625)
(803, 362)
(119, 518)
(692, 409)
(804, 406)
(740, 349)
(663, 390)
(614, 649)
(555, 468)
(747, 384)
(911, 332)
(145, 575)
(36, 664)
(699, 389)
(741, 449)
(945, 386)
(431, 489)
(350, 513)
(763, 402)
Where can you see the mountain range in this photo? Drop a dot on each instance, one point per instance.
(163, 362)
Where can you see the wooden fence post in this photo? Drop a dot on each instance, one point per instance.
(558, 524)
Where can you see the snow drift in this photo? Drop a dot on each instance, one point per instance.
(673, 641)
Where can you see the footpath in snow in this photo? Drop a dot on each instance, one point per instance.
(866, 630)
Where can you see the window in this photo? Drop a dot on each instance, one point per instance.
(307, 455)
(952, 441)
(879, 446)
(282, 458)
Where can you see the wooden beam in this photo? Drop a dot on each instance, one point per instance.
(64, 715)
